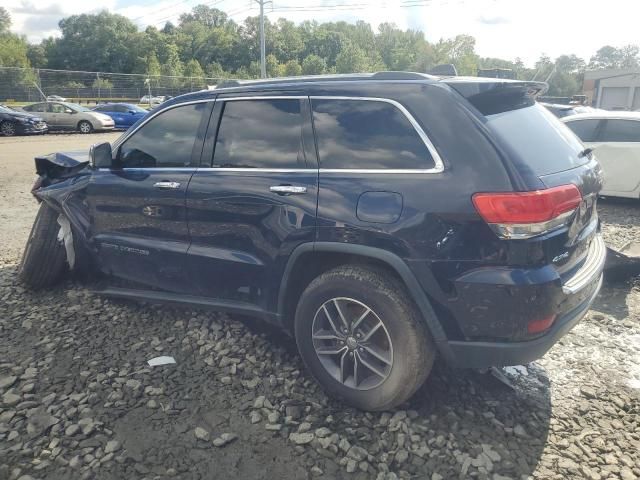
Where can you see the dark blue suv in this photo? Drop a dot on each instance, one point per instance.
(381, 218)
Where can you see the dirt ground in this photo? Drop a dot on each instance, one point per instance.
(79, 401)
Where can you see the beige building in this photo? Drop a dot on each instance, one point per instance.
(617, 89)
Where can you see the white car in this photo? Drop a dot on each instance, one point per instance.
(153, 100)
(615, 138)
(56, 98)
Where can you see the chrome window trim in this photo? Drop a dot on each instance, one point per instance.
(438, 168)
(259, 170)
(437, 160)
(264, 97)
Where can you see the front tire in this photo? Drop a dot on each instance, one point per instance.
(362, 338)
(85, 127)
(44, 258)
(7, 129)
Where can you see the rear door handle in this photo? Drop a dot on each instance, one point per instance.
(288, 189)
(167, 185)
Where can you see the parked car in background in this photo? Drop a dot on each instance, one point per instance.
(562, 111)
(13, 122)
(123, 114)
(69, 116)
(346, 210)
(152, 100)
(615, 139)
(56, 98)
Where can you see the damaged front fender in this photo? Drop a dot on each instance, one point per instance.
(61, 165)
(62, 183)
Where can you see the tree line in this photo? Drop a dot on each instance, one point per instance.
(207, 42)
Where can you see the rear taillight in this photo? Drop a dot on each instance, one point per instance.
(527, 214)
(539, 326)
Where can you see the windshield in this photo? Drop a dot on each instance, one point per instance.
(4, 109)
(76, 107)
(536, 140)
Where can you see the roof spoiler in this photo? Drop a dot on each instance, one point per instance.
(444, 70)
(494, 95)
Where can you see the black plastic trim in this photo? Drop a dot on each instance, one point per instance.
(493, 354)
(155, 296)
(388, 258)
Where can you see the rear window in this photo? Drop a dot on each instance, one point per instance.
(536, 140)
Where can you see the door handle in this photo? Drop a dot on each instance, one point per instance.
(288, 189)
(167, 185)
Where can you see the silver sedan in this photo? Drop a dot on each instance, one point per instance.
(70, 116)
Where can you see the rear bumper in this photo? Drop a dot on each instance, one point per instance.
(495, 354)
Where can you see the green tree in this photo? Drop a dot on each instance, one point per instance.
(313, 65)
(273, 67)
(460, 51)
(352, 60)
(193, 69)
(5, 20)
(37, 56)
(102, 42)
(292, 68)
(215, 70)
(102, 83)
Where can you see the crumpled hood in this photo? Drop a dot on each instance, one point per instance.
(61, 163)
(26, 115)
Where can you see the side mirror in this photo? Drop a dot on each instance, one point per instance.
(100, 155)
(68, 110)
(132, 112)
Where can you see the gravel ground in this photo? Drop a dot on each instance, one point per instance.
(79, 401)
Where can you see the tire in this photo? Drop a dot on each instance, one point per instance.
(44, 258)
(85, 126)
(401, 340)
(7, 129)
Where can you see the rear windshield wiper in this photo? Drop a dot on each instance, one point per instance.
(586, 152)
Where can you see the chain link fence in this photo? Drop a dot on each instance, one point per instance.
(35, 84)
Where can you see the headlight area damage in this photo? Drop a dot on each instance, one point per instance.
(57, 167)
(60, 230)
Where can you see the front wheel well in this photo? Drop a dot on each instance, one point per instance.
(310, 265)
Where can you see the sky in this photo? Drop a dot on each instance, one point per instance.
(503, 28)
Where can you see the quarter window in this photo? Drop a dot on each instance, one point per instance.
(166, 141)
(365, 134)
(585, 129)
(260, 134)
(621, 131)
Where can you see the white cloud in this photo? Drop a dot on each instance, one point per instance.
(502, 28)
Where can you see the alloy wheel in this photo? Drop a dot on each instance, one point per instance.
(352, 343)
(85, 127)
(8, 129)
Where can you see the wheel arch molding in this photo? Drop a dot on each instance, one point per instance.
(380, 256)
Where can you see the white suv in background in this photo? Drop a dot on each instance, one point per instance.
(615, 137)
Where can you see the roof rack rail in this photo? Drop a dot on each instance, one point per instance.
(399, 75)
(228, 83)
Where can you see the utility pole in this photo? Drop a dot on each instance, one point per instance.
(263, 61)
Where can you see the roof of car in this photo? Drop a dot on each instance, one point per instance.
(344, 82)
(603, 114)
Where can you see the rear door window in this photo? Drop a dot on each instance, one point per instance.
(620, 131)
(365, 134)
(262, 133)
(586, 130)
(536, 140)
